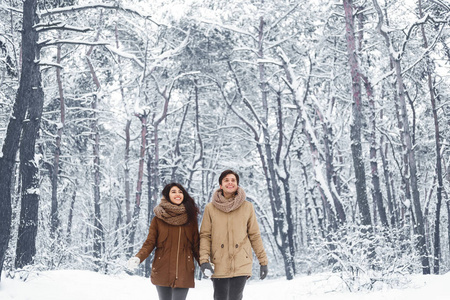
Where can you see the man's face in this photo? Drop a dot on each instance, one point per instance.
(229, 184)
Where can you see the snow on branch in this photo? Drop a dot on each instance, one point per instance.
(41, 27)
(425, 52)
(125, 55)
(320, 179)
(229, 27)
(246, 102)
(421, 21)
(236, 49)
(180, 76)
(252, 109)
(278, 43)
(115, 6)
(223, 128)
(175, 51)
(384, 31)
(13, 9)
(283, 17)
(441, 3)
(270, 61)
(230, 106)
(50, 64)
(51, 42)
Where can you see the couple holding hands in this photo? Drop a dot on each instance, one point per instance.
(228, 232)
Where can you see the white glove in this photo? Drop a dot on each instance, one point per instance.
(133, 263)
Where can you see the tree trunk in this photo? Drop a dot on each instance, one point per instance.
(98, 225)
(312, 207)
(199, 158)
(330, 170)
(437, 138)
(410, 153)
(55, 170)
(98, 245)
(387, 179)
(127, 173)
(29, 88)
(175, 177)
(127, 140)
(376, 192)
(29, 170)
(286, 176)
(377, 196)
(278, 213)
(421, 242)
(333, 207)
(140, 180)
(355, 128)
(29, 174)
(70, 218)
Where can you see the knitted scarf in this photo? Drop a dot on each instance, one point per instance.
(170, 213)
(228, 205)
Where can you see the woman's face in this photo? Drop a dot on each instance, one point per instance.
(176, 195)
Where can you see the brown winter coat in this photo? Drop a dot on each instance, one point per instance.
(227, 239)
(176, 248)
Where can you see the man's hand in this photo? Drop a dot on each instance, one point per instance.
(207, 269)
(263, 272)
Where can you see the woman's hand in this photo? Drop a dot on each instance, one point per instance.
(133, 263)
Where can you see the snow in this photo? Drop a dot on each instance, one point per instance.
(88, 285)
(33, 191)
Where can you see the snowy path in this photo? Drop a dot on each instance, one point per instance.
(86, 285)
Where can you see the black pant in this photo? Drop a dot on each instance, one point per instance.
(168, 293)
(229, 288)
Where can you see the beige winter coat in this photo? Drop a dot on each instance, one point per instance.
(227, 239)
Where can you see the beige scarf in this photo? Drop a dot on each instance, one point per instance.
(228, 205)
(170, 213)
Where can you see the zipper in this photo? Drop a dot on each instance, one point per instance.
(178, 253)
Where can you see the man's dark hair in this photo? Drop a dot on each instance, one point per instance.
(227, 172)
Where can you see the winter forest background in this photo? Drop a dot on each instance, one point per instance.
(335, 113)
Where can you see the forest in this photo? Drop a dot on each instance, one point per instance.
(335, 113)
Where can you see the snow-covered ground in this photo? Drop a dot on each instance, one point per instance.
(87, 285)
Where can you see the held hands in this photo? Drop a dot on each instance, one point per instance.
(263, 272)
(133, 263)
(207, 269)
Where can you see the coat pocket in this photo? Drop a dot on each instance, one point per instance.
(159, 261)
(217, 251)
(189, 257)
(244, 256)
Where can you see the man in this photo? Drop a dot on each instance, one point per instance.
(228, 233)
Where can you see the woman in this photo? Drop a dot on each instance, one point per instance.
(174, 233)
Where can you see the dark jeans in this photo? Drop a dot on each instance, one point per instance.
(229, 288)
(168, 293)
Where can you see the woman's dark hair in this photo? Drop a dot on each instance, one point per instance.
(227, 172)
(189, 203)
